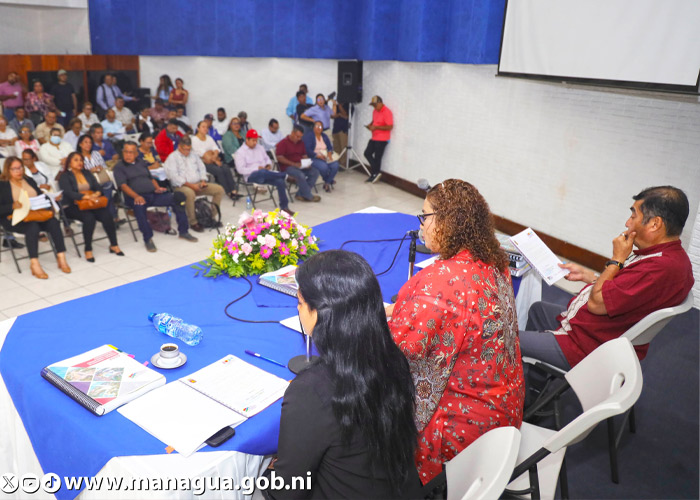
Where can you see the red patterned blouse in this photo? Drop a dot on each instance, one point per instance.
(456, 323)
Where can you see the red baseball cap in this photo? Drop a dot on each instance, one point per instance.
(252, 134)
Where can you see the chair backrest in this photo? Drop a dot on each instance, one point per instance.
(647, 328)
(607, 383)
(482, 470)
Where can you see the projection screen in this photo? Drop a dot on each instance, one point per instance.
(644, 43)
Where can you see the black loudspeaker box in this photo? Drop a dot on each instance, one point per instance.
(350, 81)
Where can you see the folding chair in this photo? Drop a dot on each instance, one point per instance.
(482, 470)
(11, 249)
(251, 190)
(643, 332)
(607, 383)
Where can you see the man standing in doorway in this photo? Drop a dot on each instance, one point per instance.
(65, 99)
(381, 126)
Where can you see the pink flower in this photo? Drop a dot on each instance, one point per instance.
(246, 220)
(265, 225)
(238, 234)
(311, 240)
(283, 249)
(265, 252)
(284, 234)
(270, 241)
(302, 250)
(285, 224)
(232, 247)
(258, 215)
(251, 234)
(247, 248)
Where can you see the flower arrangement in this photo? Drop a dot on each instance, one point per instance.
(260, 243)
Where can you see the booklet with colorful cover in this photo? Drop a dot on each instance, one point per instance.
(102, 379)
(283, 280)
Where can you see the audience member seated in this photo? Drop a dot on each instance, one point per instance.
(633, 284)
(245, 126)
(181, 116)
(20, 120)
(209, 119)
(142, 191)
(187, 175)
(64, 97)
(88, 118)
(104, 147)
(232, 140)
(147, 152)
(75, 128)
(107, 94)
(26, 141)
(272, 135)
(205, 147)
(38, 171)
(320, 150)
(55, 152)
(165, 86)
(320, 112)
(144, 122)
(159, 114)
(12, 183)
(38, 103)
(178, 95)
(125, 116)
(113, 128)
(167, 140)
(94, 163)
(8, 138)
(348, 420)
(253, 163)
(456, 323)
(290, 151)
(77, 184)
(221, 123)
(182, 127)
(295, 101)
(42, 132)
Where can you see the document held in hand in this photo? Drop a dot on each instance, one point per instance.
(540, 257)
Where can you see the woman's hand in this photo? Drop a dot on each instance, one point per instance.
(16, 204)
(389, 310)
(45, 186)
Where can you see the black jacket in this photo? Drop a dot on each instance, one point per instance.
(6, 195)
(69, 184)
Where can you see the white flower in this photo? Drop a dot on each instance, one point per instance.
(235, 257)
(238, 234)
(302, 231)
(270, 241)
(294, 244)
(261, 239)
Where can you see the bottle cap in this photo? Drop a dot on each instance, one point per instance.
(150, 316)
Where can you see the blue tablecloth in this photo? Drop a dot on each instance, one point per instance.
(70, 441)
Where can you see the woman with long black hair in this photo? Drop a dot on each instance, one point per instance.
(348, 419)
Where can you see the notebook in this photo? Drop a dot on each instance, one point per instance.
(102, 379)
(283, 280)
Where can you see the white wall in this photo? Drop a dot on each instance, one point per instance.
(261, 87)
(44, 27)
(694, 252)
(565, 161)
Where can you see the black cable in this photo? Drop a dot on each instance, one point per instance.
(250, 289)
(394, 259)
(368, 241)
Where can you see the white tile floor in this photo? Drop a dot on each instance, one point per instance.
(23, 293)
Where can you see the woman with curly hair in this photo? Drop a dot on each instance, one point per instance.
(455, 322)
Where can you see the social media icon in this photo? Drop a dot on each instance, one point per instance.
(9, 483)
(51, 483)
(30, 483)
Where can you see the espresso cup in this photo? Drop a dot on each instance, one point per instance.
(169, 353)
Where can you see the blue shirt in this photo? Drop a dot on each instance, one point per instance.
(108, 149)
(320, 114)
(292, 106)
(213, 133)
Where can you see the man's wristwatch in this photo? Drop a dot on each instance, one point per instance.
(614, 263)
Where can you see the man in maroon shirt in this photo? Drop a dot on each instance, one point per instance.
(655, 276)
(290, 153)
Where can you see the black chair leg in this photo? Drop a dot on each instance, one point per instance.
(563, 481)
(633, 423)
(612, 448)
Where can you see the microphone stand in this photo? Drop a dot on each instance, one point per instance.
(411, 258)
(300, 363)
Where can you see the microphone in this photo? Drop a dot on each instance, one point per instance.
(413, 234)
(423, 184)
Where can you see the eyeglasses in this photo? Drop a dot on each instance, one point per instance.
(422, 217)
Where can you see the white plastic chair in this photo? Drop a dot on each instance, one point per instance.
(607, 383)
(648, 327)
(482, 470)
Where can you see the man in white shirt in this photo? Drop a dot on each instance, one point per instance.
(87, 117)
(272, 135)
(188, 176)
(125, 116)
(221, 122)
(180, 115)
(55, 151)
(113, 128)
(255, 166)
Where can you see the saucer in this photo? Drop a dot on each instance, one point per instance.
(156, 361)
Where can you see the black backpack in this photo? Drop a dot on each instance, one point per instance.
(207, 213)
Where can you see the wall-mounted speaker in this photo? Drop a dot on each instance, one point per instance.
(350, 81)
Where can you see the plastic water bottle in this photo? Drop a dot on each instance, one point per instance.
(176, 328)
(248, 205)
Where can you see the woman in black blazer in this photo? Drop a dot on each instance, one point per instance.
(347, 426)
(74, 180)
(12, 183)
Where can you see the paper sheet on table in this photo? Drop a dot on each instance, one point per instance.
(540, 257)
(18, 214)
(305, 162)
(294, 324)
(179, 416)
(375, 210)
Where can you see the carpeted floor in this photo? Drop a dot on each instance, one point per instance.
(661, 459)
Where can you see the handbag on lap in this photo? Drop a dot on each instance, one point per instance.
(91, 203)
